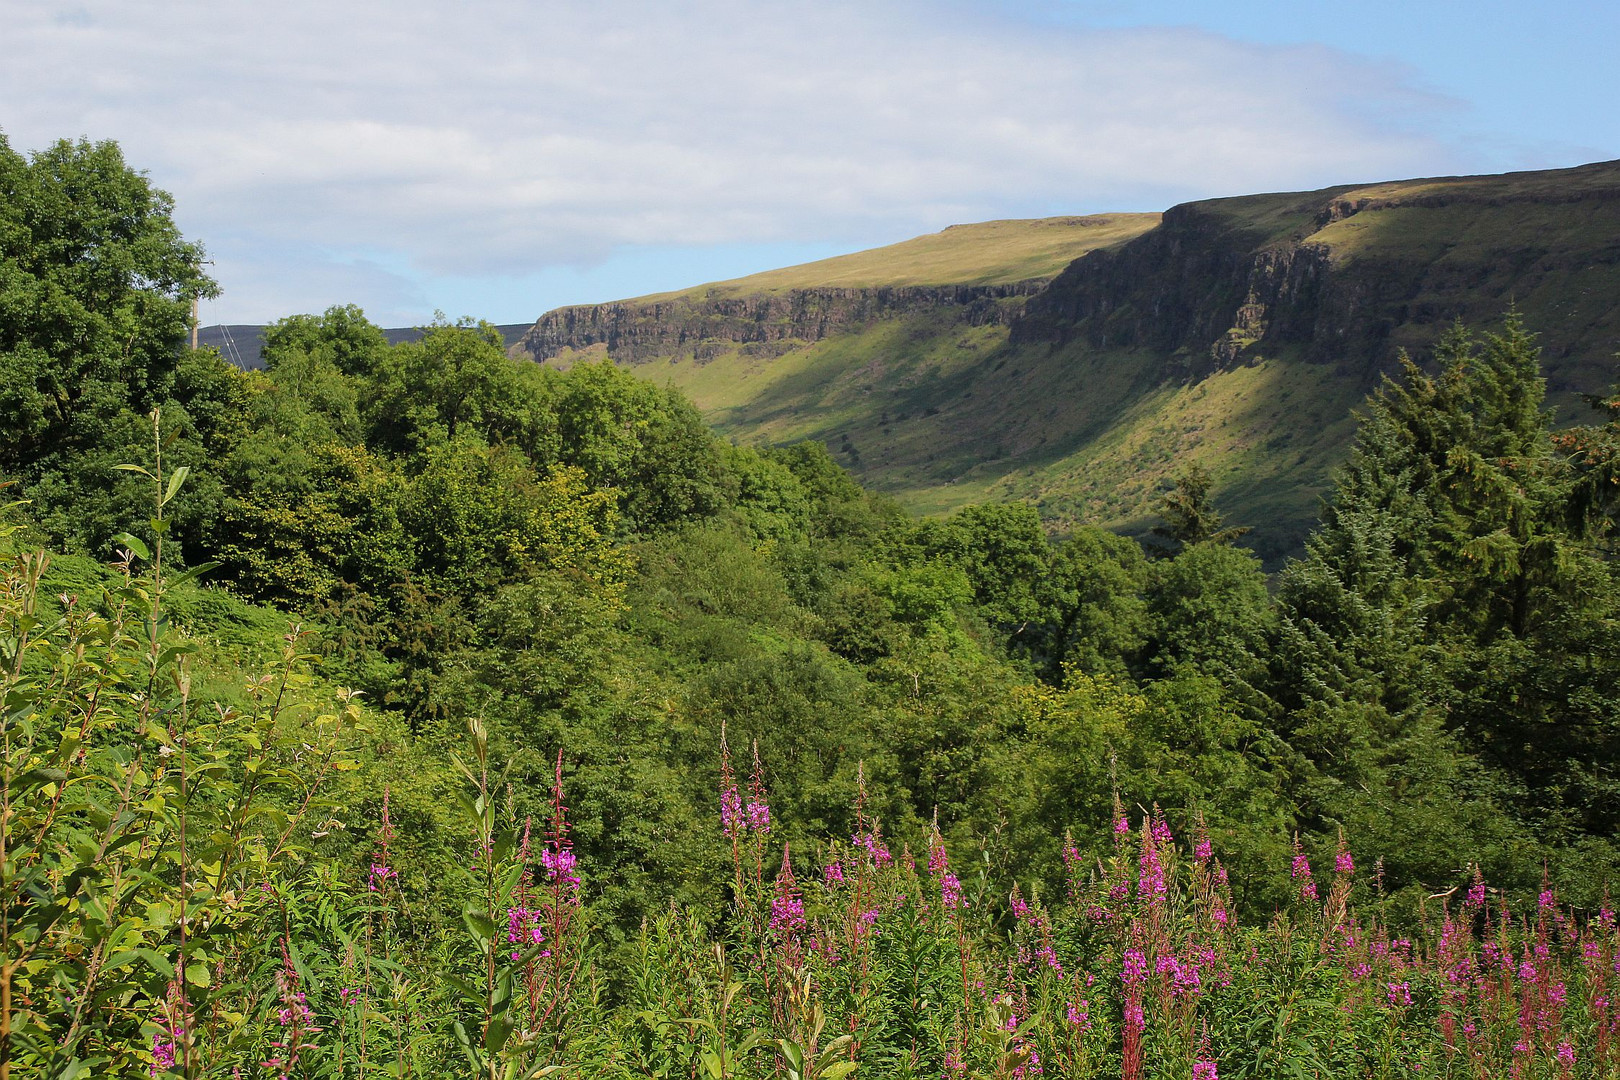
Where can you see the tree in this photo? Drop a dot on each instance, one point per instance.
(1188, 514)
(1452, 609)
(96, 287)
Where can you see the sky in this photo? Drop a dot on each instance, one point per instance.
(499, 158)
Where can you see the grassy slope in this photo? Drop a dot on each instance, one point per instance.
(987, 253)
(942, 415)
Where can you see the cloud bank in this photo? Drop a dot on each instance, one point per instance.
(339, 150)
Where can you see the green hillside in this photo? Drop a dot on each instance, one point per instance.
(1239, 333)
(986, 253)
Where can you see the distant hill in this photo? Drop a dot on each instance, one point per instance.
(1076, 363)
(242, 343)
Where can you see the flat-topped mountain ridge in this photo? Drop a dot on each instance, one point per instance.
(1238, 332)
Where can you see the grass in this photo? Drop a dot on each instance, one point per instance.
(987, 253)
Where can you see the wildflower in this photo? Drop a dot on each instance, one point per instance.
(834, 873)
(559, 861)
(1150, 876)
(1566, 1055)
(1079, 1015)
(787, 913)
(875, 848)
(1122, 827)
(380, 875)
(759, 816)
(950, 893)
(1204, 1069)
(1399, 993)
(163, 1050)
(1161, 831)
(731, 813)
(1342, 861)
(1476, 893)
(1203, 851)
(1301, 872)
(1134, 970)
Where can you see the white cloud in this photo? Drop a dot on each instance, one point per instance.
(498, 137)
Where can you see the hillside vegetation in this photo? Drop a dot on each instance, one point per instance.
(411, 710)
(1235, 333)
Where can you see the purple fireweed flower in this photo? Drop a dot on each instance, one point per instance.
(834, 873)
(787, 913)
(731, 813)
(1150, 875)
(1301, 872)
(1399, 993)
(379, 877)
(938, 861)
(1202, 851)
(1476, 893)
(1134, 969)
(1079, 1015)
(164, 1047)
(759, 816)
(1566, 1055)
(950, 893)
(1161, 831)
(873, 843)
(1343, 863)
(1546, 900)
(1204, 1069)
(1122, 826)
(559, 862)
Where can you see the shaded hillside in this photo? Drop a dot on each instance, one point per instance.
(1346, 276)
(1239, 333)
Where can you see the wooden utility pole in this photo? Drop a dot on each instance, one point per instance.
(194, 322)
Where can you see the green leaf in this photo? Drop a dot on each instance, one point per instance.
(133, 543)
(495, 1036)
(134, 469)
(479, 925)
(175, 481)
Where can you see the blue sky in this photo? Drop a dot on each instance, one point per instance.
(502, 157)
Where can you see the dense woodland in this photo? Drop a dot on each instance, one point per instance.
(413, 710)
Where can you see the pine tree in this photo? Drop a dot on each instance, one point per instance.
(1449, 640)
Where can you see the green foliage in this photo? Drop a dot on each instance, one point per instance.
(569, 566)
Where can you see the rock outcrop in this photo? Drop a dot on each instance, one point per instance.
(768, 324)
(1348, 276)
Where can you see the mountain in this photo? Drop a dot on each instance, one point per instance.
(243, 343)
(1078, 362)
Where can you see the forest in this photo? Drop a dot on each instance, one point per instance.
(412, 710)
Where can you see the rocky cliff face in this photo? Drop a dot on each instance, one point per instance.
(699, 326)
(1349, 276)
